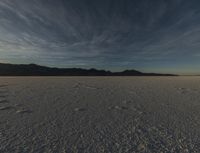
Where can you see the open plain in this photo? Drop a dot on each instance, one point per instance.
(99, 114)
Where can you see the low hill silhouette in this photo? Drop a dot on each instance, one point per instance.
(37, 70)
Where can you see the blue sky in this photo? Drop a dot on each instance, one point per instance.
(158, 35)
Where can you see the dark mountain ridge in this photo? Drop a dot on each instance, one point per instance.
(37, 70)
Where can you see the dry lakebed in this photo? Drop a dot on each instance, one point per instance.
(99, 114)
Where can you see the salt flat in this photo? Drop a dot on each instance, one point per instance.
(99, 114)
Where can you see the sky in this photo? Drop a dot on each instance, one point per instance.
(148, 35)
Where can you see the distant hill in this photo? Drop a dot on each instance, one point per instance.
(37, 70)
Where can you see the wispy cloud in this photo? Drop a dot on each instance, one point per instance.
(99, 33)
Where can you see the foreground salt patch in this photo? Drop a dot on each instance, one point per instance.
(79, 109)
(5, 107)
(3, 101)
(21, 111)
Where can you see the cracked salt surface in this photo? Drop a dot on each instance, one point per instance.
(99, 114)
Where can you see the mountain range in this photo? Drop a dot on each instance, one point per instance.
(37, 70)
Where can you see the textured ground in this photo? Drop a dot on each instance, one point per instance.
(99, 114)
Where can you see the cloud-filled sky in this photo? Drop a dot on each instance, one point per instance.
(150, 35)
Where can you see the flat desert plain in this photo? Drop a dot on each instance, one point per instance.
(99, 114)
